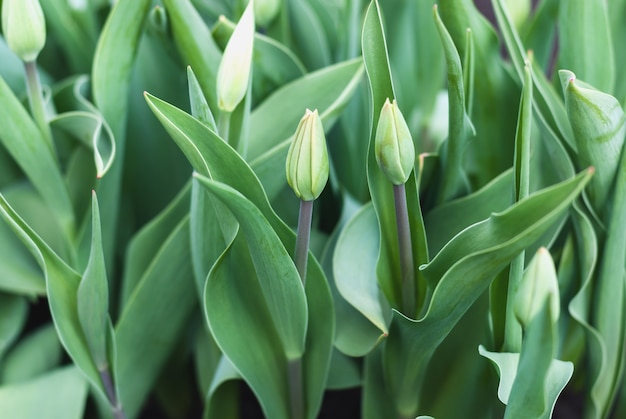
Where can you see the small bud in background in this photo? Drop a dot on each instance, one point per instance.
(307, 159)
(519, 10)
(265, 11)
(233, 73)
(395, 152)
(24, 28)
(538, 284)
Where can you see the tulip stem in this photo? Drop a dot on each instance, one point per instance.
(295, 388)
(406, 251)
(36, 101)
(303, 237)
(105, 375)
(223, 125)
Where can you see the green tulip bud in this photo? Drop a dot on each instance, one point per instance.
(233, 73)
(597, 120)
(307, 159)
(539, 283)
(24, 28)
(394, 149)
(265, 11)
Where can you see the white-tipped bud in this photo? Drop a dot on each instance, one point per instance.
(234, 71)
(24, 28)
(539, 284)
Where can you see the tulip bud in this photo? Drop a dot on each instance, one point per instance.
(265, 11)
(394, 149)
(307, 159)
(24, 28)
(538, 284)
(597, 120)
(233, 73)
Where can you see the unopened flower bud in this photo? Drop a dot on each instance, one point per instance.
(265, 11)
(539, 283)
(307, 159)
(24, 28)
(394, 149)
(233, 73)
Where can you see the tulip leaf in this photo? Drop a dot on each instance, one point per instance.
(585, 41)
(92, 297)
(62, 285)
(24, 141)
(59, 394)
(34, 355)
(354, 268)
(13, 313)
(281, 288)
(154, 318)
(462, 270)
(326, 90)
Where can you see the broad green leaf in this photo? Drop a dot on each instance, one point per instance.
(307, 34)
(212, 157)
(547, 101)
(13, 313)
(416, 60)
(274, 65)
(454, 182)
(462, 270)
(60, 394)
(222, 399)
(609, 310)
(22, 138)
(85, 124)
(326, 90)
(579, 307)
(154, 318)
(195, 44)
(92, 297)
(62, 285)
(232, 303)
(494, 92)
(446, 221)
(212, 228)
(616, 10)
(585, 44)
(355, 335)
(381, 190)
(539, 33)
(146, 243)
(599, 126)
(19, 273)
(111, 74)
(199, 106)
(34, 355)
(72, 30)
(507, 364)
(281, 288)
(344, 372)
(354, 268)
(377, 400)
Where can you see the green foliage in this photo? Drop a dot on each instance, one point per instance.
(179, 284)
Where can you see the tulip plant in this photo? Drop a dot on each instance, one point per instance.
(309, 208)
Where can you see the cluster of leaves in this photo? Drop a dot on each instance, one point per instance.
(175, 277)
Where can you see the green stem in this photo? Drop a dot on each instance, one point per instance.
(406, 251)
(303, 237)
(296, 403)
(301, 256)
(116, 407)
(36, 101)
(223, 125)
